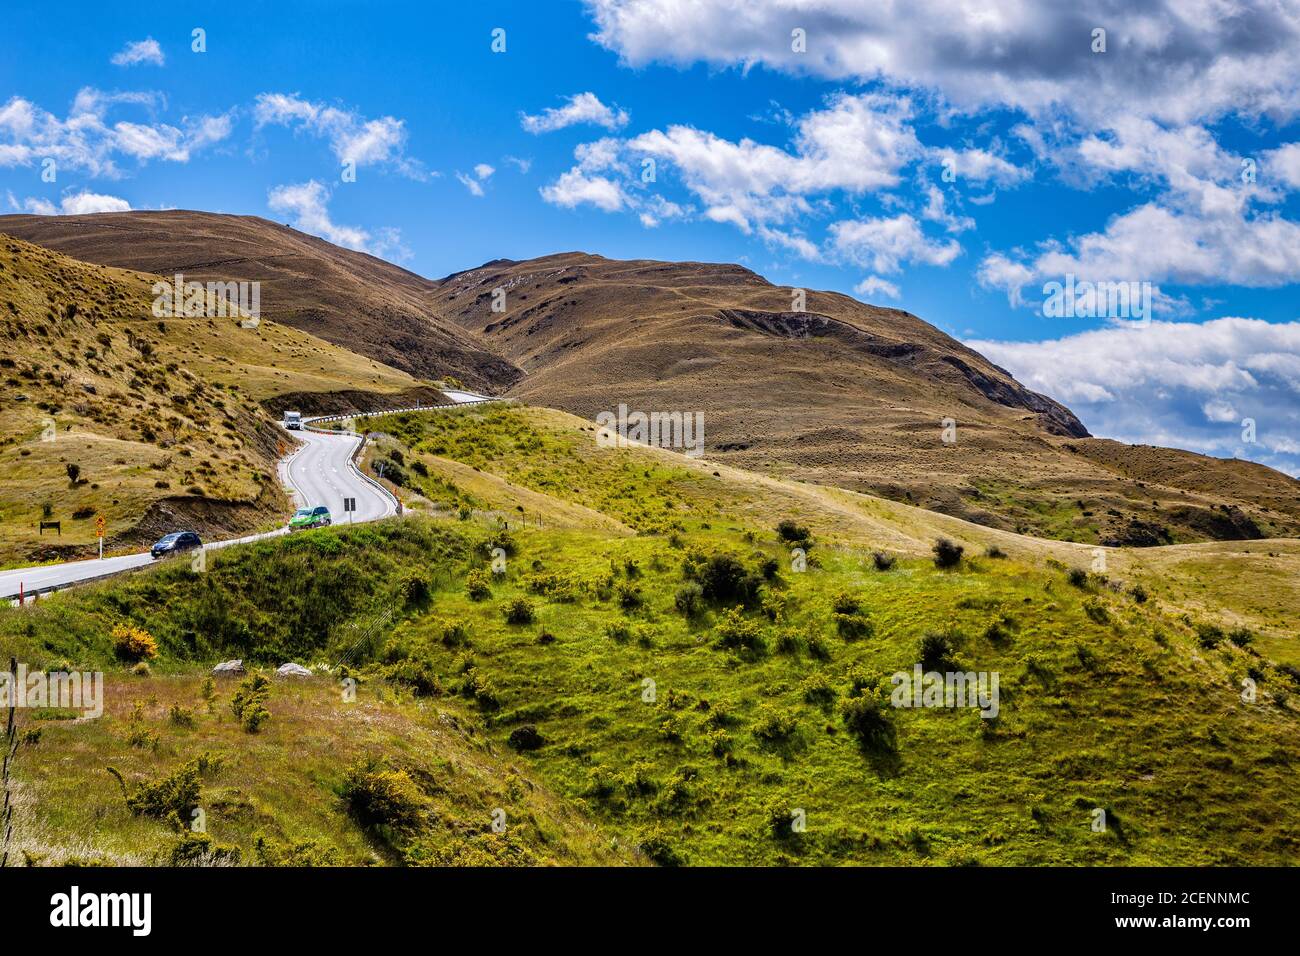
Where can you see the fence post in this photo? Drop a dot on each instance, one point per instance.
(11, 749)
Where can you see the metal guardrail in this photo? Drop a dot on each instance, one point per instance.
(307, 422)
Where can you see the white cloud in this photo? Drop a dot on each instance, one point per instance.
(886, 244)
(1173, 60)
(84, 203)
(576, 187)
(308, 205)
(86, 140)
(856, 144)
(1174, 383)
(352, 137)
(140, 51)
(482, 173)
(74, 204)
(587, 184)
(874, 285)
(581, 108)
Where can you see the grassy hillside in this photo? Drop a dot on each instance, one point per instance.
(387, 777)
(355, 301)
(163, 420)
(640, 653)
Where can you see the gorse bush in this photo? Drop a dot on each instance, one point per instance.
(172, 798)
(249, 702)
(478, 585)
(792, 533)
(519, 611)
(723, 577)
(866, 718)
(689, 599)
(947, 554)
(381, 797)
(883, 561)
(739, 633)
(936, 652)
(132, 643)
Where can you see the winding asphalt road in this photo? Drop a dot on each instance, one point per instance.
(318, 472)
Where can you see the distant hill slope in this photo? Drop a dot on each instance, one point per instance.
(168, 421)
(844, 394)
(349, 298)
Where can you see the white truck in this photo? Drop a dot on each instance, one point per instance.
(293, 420)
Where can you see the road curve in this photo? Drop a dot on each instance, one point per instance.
(320, 471)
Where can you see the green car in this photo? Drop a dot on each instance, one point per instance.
(309, 518)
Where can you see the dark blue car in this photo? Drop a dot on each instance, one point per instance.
(176, 543)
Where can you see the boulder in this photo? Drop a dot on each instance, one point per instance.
(229, 669)
(292, 670)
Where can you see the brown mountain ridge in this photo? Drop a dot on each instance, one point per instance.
(848, 394)
(837, 392)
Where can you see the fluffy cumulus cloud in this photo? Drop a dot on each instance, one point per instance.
(874, 286)
(88, 140)
(353, 138)
(887, 244)
(581, 108)
(140, 51)
(73, 204)
(307, 205)
(1181, 384)
(592, 180)
(856, 144)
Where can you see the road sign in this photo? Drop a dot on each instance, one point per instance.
(99, 526)
(349, 504)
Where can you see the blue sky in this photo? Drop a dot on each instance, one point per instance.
(928, 156)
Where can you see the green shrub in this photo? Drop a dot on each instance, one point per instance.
(183, 717)
(723, 578)
(1241, 636)
(172, 798)
(883, 561)
(198, 849)
(737, 632)
(271, 852)
(519, 611)
(792, 533)
(249, 702)
(936, 652)
(867, 720)
(818, 690)
(688, 599)
(478, 585)
(946, 553)
(379, 796)
(1209, 636)
(774, 727)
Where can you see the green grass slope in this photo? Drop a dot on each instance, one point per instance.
(669, 681)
